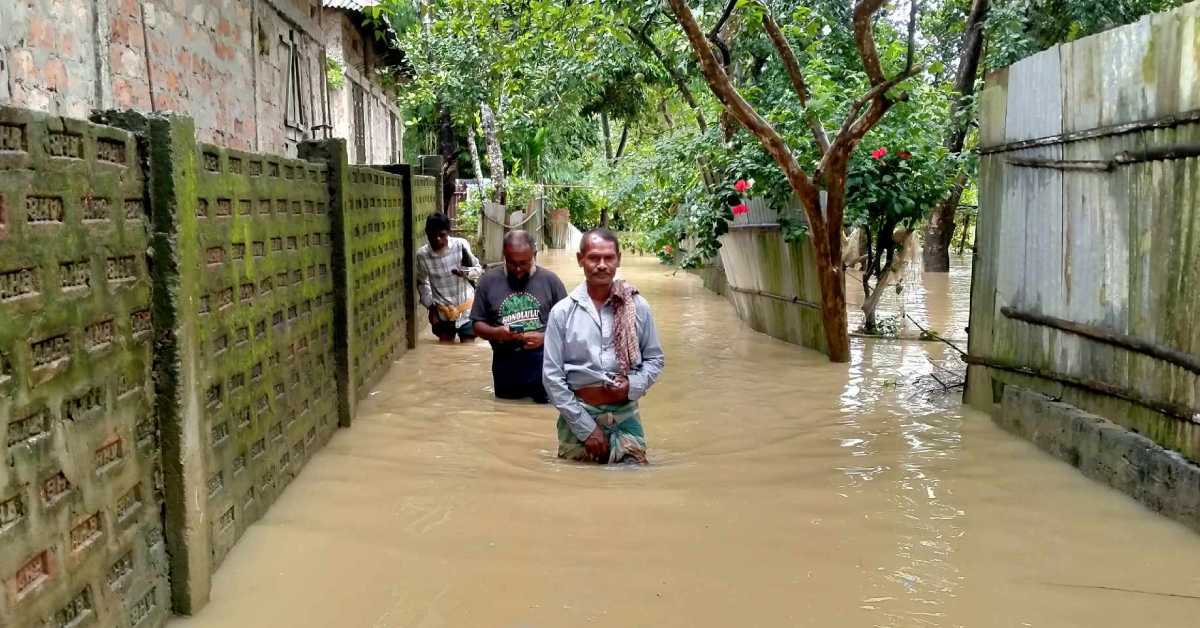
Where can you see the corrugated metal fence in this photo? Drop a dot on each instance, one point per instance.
(1087, 275)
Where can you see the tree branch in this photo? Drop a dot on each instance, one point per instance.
(679, 81)
(864, 38)
(913, 6)
(716, 29)
(719, 82)
(968, 72)
(621, 145)
(855, 127)
(608, 154)
(714, 35)
(792, 66)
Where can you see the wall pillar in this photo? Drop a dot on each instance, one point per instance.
(334, 154)
(172, 163)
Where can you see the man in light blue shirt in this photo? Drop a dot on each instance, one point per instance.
(602, 354)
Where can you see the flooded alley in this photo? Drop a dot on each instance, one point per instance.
(782, 491)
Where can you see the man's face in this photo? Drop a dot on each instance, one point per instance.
(518, 261)
(599, 261)
(438, 239)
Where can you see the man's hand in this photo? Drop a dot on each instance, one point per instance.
(533, 339)
(620, 386)
(458, 272)
(597, 445)
(433, 316)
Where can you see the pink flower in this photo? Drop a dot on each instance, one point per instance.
(905, 154)
(741, 186)
(879, 153)
(667, 249)
(740, 208)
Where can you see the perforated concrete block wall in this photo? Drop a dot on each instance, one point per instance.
(81, 538)
(265, 334)
(374, 222)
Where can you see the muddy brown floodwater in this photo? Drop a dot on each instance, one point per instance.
(783, 491)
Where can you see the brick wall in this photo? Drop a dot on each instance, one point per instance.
(383, 132)
(226, 63)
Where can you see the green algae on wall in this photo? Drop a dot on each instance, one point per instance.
(80, 535)
(182, 326)
(264, 339)
(376, 280)
(772, 284)
(1112, 249)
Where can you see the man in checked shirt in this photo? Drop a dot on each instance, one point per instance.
(446, 276)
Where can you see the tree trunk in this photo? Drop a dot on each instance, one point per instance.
(474, 148)
(495, 157)
(889, 272)
(621, 145)
(833, 311)
(448, 149)
(608, 154)
(604, 216)
(939, 231)
(662, 107)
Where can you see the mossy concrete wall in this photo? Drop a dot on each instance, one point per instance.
(1106, 452)
(1113, 248)
(183, 327)
(263, 341)
(376, 283)
(81, 539)
(769, 280)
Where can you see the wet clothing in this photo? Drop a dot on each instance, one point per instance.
(447, 330)
(581, 352)
(440, 288)
(522, 306)
(621, 423)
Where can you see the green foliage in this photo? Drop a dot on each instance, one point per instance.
(582, 203)
(520, 192)
(1019, 28)
(892, 190)
(335, 73)
(902, 186)
(469, 212)
(659, 191)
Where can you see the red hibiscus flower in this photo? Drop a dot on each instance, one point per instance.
(741, 186)
(905, 154)
(740, 208)
(879, 153)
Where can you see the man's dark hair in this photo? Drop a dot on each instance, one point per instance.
(603, 234)
(520, 237)
(437, 223)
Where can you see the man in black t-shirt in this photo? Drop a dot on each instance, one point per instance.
(511, 307)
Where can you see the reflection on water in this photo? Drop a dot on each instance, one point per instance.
(785, 491)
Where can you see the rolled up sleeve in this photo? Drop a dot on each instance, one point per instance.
(475, 270)
(423, 289)
(653, 359)
(554, 376)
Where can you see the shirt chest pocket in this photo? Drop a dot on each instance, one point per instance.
(582, 339)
